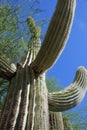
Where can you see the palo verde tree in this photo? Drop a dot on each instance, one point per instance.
(28, 102)
(10, 39)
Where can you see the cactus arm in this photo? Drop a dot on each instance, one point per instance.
(56, 36)
(34, 29)
(72, 95)
(34, 42)
(7, 69)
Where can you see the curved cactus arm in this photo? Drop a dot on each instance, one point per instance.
(7, 69)
(56, 36)
(72, 95)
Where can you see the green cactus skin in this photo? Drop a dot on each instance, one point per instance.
(56, 36)
(7, 69)
(72, 95)
(56, 121)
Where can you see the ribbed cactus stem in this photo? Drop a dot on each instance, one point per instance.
(38, 108)
(56, 121)
(15, 110)
(72, 95)
(56, 36)
(7, 69)
(34, 44)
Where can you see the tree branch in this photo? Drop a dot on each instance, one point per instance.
(56, 36)
(7, 69)
(72, 95)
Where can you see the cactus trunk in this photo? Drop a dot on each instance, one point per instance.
(26, 103)
(56, 121)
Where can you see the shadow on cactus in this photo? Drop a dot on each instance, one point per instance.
(28, 102)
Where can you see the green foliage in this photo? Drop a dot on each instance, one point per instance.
(53, 85)
(10, 38)
(11, 43)
(67, 124)
(14, 32)
(77, 118)
(3, 91)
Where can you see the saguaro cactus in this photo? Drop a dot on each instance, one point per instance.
(28, 102)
